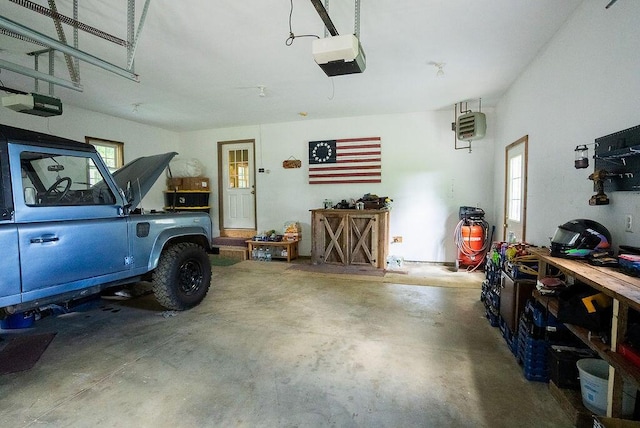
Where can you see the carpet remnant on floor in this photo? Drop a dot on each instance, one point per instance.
(221, 241)
(23, 352)
(223, 261)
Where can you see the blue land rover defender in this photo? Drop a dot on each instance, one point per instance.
(69, 228)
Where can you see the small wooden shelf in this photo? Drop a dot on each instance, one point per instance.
(291, 246)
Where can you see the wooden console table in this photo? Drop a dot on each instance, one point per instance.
(291, 247)
(350, 237)
(625, 292)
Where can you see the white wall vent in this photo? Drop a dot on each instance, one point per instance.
(471, 126)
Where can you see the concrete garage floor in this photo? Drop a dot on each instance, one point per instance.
(277, 347)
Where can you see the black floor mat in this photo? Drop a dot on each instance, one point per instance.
(23, 352)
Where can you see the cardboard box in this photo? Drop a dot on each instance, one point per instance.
(292, 236)
(174, 183)
(195, 183)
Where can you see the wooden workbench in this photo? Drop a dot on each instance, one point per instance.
(625, 292)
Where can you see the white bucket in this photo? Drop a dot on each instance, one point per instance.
(594, 377)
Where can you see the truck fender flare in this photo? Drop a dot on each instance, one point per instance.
(183, 234)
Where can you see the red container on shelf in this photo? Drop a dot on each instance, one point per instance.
(629, 353)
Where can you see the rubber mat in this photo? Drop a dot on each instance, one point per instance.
(23, 352)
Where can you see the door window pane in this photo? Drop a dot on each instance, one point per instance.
(515, 188)
(239, 169)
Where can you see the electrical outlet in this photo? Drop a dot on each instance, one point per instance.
(397, 240)
(628, 223)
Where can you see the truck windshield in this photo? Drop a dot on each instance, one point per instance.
(49, 180)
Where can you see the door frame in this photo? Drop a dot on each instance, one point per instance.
(523, 140)
(228, 232)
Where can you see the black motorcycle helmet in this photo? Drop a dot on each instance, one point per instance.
(580, 234)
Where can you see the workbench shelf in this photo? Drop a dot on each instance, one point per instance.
(625, 293)
(602, 349)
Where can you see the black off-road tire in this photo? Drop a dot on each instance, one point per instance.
(182, 278)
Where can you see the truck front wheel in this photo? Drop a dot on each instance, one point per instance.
(182, 277)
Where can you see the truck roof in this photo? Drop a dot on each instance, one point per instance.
(10, 134)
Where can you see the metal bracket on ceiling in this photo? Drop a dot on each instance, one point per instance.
(36, 66)
(330, 28)
(71, 66)
(356, 24)
(324, 15)
(25, 71)
(73, 55)
(132, 35)
(52, 43)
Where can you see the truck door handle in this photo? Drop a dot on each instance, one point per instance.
(43, 239)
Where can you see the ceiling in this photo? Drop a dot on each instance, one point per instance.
(201, 63)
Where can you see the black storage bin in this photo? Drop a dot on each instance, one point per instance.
(563, 371)
(186, 199)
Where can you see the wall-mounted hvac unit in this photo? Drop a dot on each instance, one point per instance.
(471, 126)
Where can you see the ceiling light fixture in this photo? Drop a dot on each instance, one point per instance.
(440, 72)
(439, 66)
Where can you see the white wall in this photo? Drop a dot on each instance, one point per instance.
(427, 179)
(585, 84)
(75, 124)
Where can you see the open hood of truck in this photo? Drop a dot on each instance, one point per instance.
(138, 176)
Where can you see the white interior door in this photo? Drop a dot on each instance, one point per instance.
(515, 192)
(238, 185)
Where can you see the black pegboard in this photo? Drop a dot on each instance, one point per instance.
(619, 155)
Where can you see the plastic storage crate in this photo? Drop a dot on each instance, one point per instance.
(490, 293)
(509, 336)
(532, 354)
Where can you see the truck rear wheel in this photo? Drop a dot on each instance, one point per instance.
(182, 278)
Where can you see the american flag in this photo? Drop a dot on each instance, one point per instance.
(350, 160)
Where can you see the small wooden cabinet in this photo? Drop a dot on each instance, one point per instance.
(514, 294)
(350, 237)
